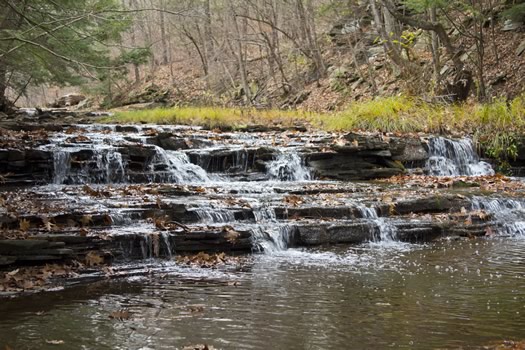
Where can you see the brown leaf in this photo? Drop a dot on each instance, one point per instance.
(108, 221)
(231, 235)
(93, 258)
(86, 220)
(24, 225)
(120, 315)
(293, 200)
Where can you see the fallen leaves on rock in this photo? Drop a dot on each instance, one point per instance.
(506, 345)
(94, 258)
(32, 278)
(206, 260)
(491, 183)
(293, 200)
(231, 234)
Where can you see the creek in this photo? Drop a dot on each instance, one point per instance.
(325, 255)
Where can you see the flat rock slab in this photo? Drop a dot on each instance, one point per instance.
(14, 247)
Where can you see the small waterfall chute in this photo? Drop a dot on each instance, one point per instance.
(508, 214)
(106, 165)
(387, 231)
(288, 166)
(183, 170)
(448, 157)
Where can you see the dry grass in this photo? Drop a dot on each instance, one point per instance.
(390, 114)
(212, 117)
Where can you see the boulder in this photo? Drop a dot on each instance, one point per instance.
(68, 100)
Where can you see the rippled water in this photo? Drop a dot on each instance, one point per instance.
(447, 295)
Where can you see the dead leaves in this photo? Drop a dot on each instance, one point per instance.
(94, 258)
(33, 278)
(206, 260)
(231, 234)
(24, 225)
(96, 193)
(86, 220)
(198, 347)
(491, 183)
(120, 315)
(507, 345)
(293, 200)
(164, 224)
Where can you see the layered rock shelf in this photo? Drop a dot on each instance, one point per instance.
(104, 194)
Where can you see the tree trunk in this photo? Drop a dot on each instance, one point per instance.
(435, 49)
(165, 58)
(239, 53)
(4, 103)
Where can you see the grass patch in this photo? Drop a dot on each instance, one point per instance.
(210, 117)
(388, 114)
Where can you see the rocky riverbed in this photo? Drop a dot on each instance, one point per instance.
(82, 199)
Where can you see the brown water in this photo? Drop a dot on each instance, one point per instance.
(448, 295)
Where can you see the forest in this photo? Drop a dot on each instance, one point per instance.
(263, 53)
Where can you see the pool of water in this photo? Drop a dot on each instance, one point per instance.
(444, 295)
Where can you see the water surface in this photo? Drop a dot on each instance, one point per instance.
(445, 295)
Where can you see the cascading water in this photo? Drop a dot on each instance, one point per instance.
(509, 214)
(387, 231)
(269, 235)
(183, 170)
(106, 166)
(209, 215)
(61, 166)
(455, 157)
(288, 167)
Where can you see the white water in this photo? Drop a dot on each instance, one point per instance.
(455, 157)
(108, 167)
(288, 167)
(508, 213)
(183, 170)
(387, 231)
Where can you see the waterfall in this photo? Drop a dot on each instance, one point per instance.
(269, 236)
(271, 239)
(211, 215)
(61, 166)
(106, 166)
(167, 243)
(288, 167)
(509, 214)
(183, 170)
(102, 164)
(455, 157)
(387, 231)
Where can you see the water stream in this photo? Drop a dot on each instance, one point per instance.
(375, 295)
(450, 157)
(459, 295)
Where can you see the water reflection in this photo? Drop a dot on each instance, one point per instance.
(446, 295)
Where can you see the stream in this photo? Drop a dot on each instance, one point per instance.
(319, 262)
(447, 295)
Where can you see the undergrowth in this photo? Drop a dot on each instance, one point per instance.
(492, 124)
(212, 117)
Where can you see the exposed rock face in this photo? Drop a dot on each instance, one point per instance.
(364, 157)
(68, 100)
